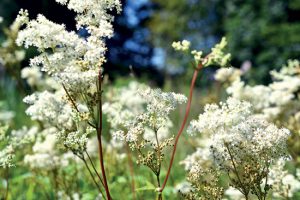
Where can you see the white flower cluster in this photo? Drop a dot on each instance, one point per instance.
(183, 45)
(228, 74)
(1, 19)
(284, 184)
(93, 15)
(45, 152)
(33, 75)
(75, 63)
(158, 106)
(139, 116)
(233, 124)
(43, 158)
(234, 194)
(13, 142)
(276, 99)
(73, 60)
(50, 108)
(239, 143)
(6, 156)
(227, 114)
(123, 105)
(75, 141)
(200, 156)
(37, 80)
(139, 110)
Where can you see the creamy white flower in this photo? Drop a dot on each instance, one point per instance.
(214, 117)
(33, 75)
(6, 156)
(45, 146)
(183, 45)
(239, 143)
(283, 183)
(228, 74)
(234, 194)
(43, 161)
(6, 116)
(275, 100)
(50, 108)
(197, 55)
(183, 187)
(201, 155)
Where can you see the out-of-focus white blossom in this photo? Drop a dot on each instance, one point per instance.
(123, 105)
(234, 194)
(183, 45)
(50, 108)
(201, 155)
(197, 55)
(283, 183)
(6, 156)
(218, 56)
(275, 100)
(33, 75)
(6, 116)
(228, 74)
(183, 187)
(14, 141)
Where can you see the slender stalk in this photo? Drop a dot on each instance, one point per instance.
(159, 165)
(94, 168)
(159, 197)
(56, 183)
(131, 169)
(70, 98)
(7, 184)
(99, 134)
(188, 107)
(88, 168)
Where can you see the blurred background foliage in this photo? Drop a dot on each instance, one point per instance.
(262, 34)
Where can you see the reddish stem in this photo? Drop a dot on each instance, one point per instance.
(188, 107)
(99, 134)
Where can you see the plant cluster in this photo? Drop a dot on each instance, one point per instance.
(242, 147)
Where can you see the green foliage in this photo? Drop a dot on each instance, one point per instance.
(263, 32)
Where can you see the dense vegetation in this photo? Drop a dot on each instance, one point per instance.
(71, 127)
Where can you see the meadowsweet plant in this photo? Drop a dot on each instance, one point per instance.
(277, 102)
(217, 56)
(141, 119)
(241, 145)
(74, 62)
